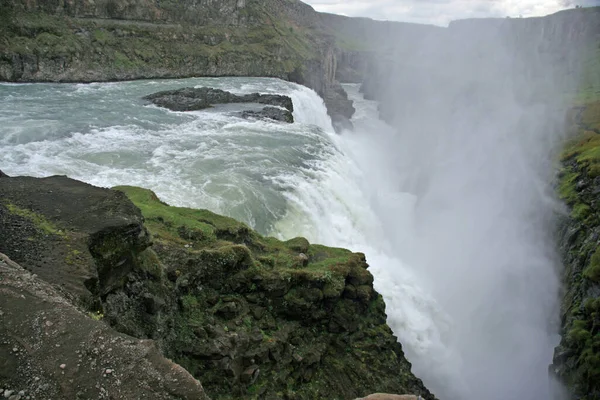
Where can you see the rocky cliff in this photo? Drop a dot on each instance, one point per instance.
(86, 40)
(50, 349)
(577, 359)
(248, 316)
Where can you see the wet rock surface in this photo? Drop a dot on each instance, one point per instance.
(272, 113)
(191, 99)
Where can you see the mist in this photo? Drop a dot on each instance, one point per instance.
(462, 185)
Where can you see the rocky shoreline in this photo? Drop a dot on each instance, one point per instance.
(117, 280)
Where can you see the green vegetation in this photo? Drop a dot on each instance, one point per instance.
(97, 316)
(580, 347)
(213, 234)
(6, 19)
(183, 225)
(305, 314)
(581, 161)
(592, 271)
(43, 225)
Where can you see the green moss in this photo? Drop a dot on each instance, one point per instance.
(592, 306)
(102, 36)
(6, 18)
(148, 261)
(298, 244)
(579, 333)
(252, 296)
(590, 117)
(122, 61)
(581, 211)
(38, 220)
(97, 316)
(592, 271)
(74, 257)
(180, 224)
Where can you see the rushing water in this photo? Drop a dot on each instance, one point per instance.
(284, 180)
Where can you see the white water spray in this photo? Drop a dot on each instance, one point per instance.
(466, 275)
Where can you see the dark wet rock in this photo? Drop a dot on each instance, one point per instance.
(190, 99)
(274, 113)
(339, 107)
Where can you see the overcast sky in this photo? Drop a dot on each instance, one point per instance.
(440, 12)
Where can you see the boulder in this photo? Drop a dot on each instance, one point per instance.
(191, 99)
(273, 113)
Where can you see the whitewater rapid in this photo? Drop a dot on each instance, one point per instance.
(283, 180)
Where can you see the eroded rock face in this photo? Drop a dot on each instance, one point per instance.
(69, 233)
(51, 350)
(339, 107)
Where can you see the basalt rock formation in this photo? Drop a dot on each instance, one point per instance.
(248, 316)
(190, 99)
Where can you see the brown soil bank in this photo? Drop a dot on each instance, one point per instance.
(248, 316)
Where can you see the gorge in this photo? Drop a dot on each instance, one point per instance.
(468, 180)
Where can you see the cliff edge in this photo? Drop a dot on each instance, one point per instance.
(248, 316)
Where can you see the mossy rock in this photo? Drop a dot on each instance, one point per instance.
(577, 359)
(255, 317)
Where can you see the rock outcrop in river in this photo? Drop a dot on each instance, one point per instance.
(191, 99)
(248, 316)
